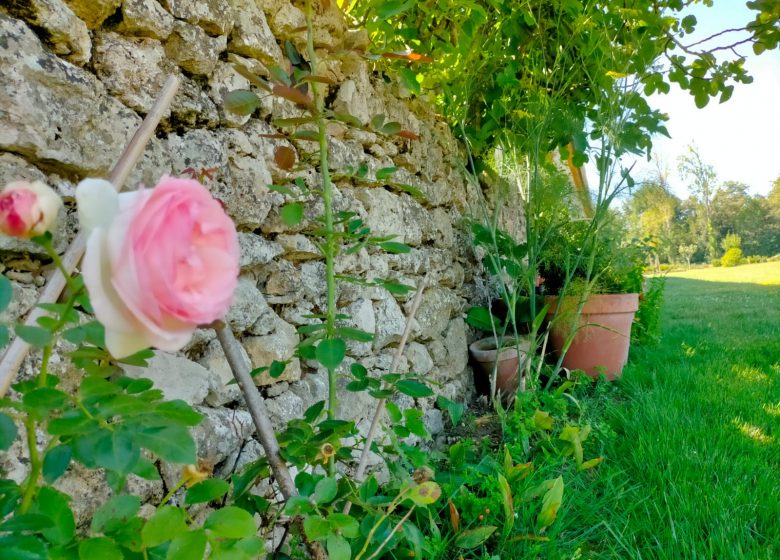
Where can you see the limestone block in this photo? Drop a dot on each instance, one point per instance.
(298, 247)
(361, 316)
(146, 18)
(434, 313)
(455, 341)
(67, 34)
(215, 16)
(313, 282)
(312, 388)
(251, 35)
(221, 391)
(93, 12)
(284, 408)
(256, 250)
(248, 307)
(434, 421)
(155, 163)
(24, 299)
(192, 49)
(390, 322)
(224, 80)
(351, 101)
(280, 346)
(198, 149)
(221, 433)
(192, 106)
(388, 215)
(55, 112)
(420, 361)
(176, 377)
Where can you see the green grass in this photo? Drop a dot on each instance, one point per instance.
(694, 469)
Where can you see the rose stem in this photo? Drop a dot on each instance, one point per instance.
(380, 406)
(13, 357)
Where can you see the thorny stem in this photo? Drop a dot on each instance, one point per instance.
(329, 247)
(30, 484)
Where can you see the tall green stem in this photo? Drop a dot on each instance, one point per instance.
(329, 247)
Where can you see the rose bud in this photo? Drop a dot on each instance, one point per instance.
(28, 209)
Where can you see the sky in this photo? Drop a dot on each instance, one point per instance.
(739, 138)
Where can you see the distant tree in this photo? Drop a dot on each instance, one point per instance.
(735, 210)
(702, 184)
(731, 241)
(686, 252)
(650, 216)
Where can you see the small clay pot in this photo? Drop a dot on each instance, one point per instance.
(485, 355)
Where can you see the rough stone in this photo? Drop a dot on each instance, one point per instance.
(146, 18)
(221, 432)
(93, 12)
(23, 300)
(312, 388)
(279, 346)
(434, 313)
(215, 16)
(284, 408)
(53, 111)
(256, 250)
(221, 391)
(223, 80)
(420, 361)
(67, 34)
(248, 307)
(391, 214)
(198, 149)
(192, 49)
(456, 343)
(313, 282)
(361, 316)
(176, 377)
(298, 247)
(434, 421)
(390, 322)
(251, 35)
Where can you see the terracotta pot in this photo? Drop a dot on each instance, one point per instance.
(602, 341)
(486, 355)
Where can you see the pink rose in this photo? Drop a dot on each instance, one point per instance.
(158, 263)
(28, 209)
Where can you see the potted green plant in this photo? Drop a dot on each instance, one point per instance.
(595, 282)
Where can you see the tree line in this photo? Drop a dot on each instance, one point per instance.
(714, 218)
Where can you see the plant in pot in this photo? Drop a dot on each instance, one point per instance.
(501, 357)
(596, 281)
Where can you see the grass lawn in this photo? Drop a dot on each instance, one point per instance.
(694, 470)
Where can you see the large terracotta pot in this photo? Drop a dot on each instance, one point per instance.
(485, 355)
(604, 336)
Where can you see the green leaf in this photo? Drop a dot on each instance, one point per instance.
(56, 462)
(292, 213)
(167, 523)
(387, 10)
(550, 504)
(22, 547)
(392, 128)
(241, 102)
(74, 335)
(170, 443)
(348, 526)
(325, 491)
(413, 388)
(206, 491)
(455, 410)
(100, 547)
(385, 172)
(355, 334)
(424, 494)
(316, 527)
(231, 522)
(474, 537)
(6, 292)
(116, 451)
(32, 522)
(313, 412)
(409, 78)
(54, 505)
(4, 336)
(480, 318)
(395, 248)
(377, 121)
(180, 412)
(338, 548)
(188, 546)
(508, 503)
(115, 513)
(35, 336)
(277, 369)
(45, 399)
(330, 352)
(8, 431)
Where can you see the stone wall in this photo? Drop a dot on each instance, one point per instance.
(77, 78)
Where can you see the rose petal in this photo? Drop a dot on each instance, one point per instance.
(98, 203)
(123, 343)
